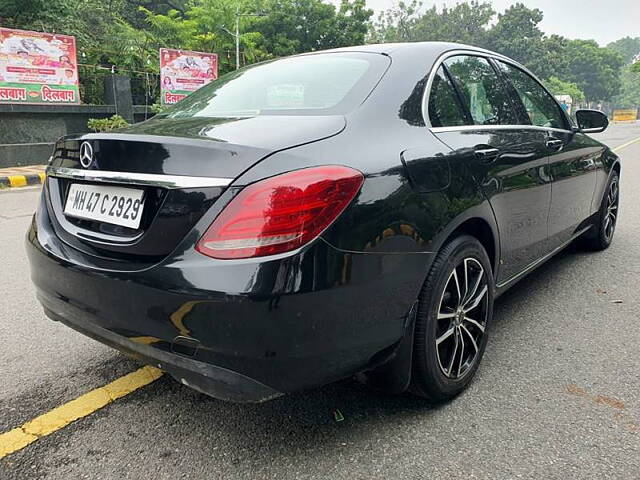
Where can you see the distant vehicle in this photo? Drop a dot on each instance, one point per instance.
(299, 221)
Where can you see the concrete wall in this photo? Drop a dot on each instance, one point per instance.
(28, 132)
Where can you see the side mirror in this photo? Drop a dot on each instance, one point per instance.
(591, 121)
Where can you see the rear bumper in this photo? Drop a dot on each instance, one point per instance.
(244, 330)
(212, 380)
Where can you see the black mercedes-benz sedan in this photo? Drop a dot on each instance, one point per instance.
(353, 211)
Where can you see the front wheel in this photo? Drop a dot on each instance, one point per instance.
(454, 312)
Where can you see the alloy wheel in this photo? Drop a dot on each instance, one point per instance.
(462, 318)
(611, 213)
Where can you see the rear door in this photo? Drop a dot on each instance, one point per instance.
(572, 157)
(509, 163)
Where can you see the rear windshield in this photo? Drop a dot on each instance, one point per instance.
(319, 84)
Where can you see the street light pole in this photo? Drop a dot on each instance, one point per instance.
(236, 35)
(237, 38)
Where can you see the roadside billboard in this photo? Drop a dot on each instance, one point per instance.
(38, 68)
(183, 72)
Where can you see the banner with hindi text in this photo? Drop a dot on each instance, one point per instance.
(183, 72)
(38, 68)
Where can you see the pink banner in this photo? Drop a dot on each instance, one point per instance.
(38, 67)
(183, 72)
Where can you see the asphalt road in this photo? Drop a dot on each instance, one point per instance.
(557, 395)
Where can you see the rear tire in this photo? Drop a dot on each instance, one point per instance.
(600, 235)
(454, 313)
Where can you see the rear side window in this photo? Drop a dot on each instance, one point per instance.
(319, 84)
(445, 109)
(541, 108)
(482, 91)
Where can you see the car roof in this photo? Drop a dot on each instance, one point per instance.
(418, 47)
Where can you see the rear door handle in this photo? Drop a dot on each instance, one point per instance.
(486, 155)
(555, 144)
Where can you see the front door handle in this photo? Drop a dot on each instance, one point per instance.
(486, 154)
(555, 144)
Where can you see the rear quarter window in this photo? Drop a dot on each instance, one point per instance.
(483, 92)
(445, 109)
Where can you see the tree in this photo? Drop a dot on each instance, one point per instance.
(594, 69)
(296, 26)
(128, 33)
(395, 24)
(560, 87)
(205, 25)
(629, 96)
(628, 47)
(517, 35)
(286, 27)
(463, 23)
(553, 60)
(352, 23)
(36, 14)
(90, 21)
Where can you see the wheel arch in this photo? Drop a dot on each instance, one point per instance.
(480, 229)
(611, 164)
(611, 161)
(394, 376)
(616, 167)
(478, 222)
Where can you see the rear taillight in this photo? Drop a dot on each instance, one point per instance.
(281, 213)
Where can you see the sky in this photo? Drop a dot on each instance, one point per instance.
(601, 20)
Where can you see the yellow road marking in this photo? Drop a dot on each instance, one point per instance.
(625, 145)
(61, 416)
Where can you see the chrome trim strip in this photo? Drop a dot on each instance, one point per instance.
(485, 54)
(432, 74)
(593, 130)
(528, 269)
(461, 128)
(129, 178)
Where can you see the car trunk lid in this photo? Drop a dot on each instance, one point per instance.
(182, 166)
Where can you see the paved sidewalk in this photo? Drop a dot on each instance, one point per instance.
(22, 176)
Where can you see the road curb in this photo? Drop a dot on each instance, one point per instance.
(14, 181)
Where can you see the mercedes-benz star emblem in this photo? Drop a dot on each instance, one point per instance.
(86, 154)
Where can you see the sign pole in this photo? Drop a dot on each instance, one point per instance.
(237, 38)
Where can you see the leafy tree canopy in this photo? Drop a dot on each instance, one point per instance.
(514, 33)
(596, 70)
(128, 33)
(629, 96)
(559, 87)
(628, 47)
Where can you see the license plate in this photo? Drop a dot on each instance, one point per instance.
(117, 205)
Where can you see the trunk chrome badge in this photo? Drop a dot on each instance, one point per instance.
(86, 154)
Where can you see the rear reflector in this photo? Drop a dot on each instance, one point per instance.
(281, 213)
